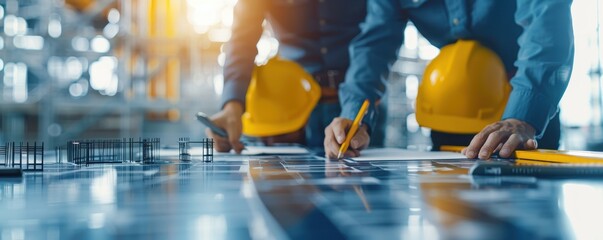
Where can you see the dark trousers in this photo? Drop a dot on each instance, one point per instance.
(550, 140)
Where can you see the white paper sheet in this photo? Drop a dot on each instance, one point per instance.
(274, 150)
(248, 151)
(397, 154)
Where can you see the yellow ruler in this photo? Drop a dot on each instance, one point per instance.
(545, 155)
(557, 156)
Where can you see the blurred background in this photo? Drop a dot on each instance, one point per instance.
(78, 69)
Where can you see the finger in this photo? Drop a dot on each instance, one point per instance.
(499, 147)
(360, 141)
(222, 147)
(531, 144)
(510, 146)
(475, 144)
(339, 127)
(332, 150)
(234, 136)
(330, 143)
(351, 153)
(220, 144)
(478, 141)
(491, 143)
(331, 153)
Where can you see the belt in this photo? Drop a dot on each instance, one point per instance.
(329, 78)
(329, 83)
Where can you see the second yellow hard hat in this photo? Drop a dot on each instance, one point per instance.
(279, 99)
(463, 89)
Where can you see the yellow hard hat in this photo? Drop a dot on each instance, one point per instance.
(279, 100)
(80, 5)
(463, 89)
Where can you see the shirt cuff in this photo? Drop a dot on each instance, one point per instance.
(531, 108)
(233, 91)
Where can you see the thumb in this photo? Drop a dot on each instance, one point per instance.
(234, 135)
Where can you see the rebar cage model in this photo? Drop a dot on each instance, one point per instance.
(98, 151)
(207, 152)
(26, 156)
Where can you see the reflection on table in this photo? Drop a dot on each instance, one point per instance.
(295, 196)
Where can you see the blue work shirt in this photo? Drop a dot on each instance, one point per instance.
(534, 39)
(313, 33)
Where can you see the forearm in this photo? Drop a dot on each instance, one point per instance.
(544, 61)
(241, 49)
(372, 52)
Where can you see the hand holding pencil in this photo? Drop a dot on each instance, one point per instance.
(341, 142)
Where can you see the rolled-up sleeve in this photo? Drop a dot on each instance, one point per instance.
(241, 49)
(372, 53)
(544, 62)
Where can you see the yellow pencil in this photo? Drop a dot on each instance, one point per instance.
(353, 129)
(450, 148)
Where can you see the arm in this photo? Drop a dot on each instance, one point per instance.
(240, 55)
(544, 61)
(372, 53)
(241, 50)
(544, 65)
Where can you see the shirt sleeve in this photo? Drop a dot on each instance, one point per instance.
(544, 61)
(372, 53)
(241, 50)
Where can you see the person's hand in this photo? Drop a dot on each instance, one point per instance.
(228, 119)
(504, 136)
(335, 134)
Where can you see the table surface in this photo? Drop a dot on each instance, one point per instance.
(295, 196)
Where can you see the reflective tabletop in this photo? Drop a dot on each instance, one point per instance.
(294, 196)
